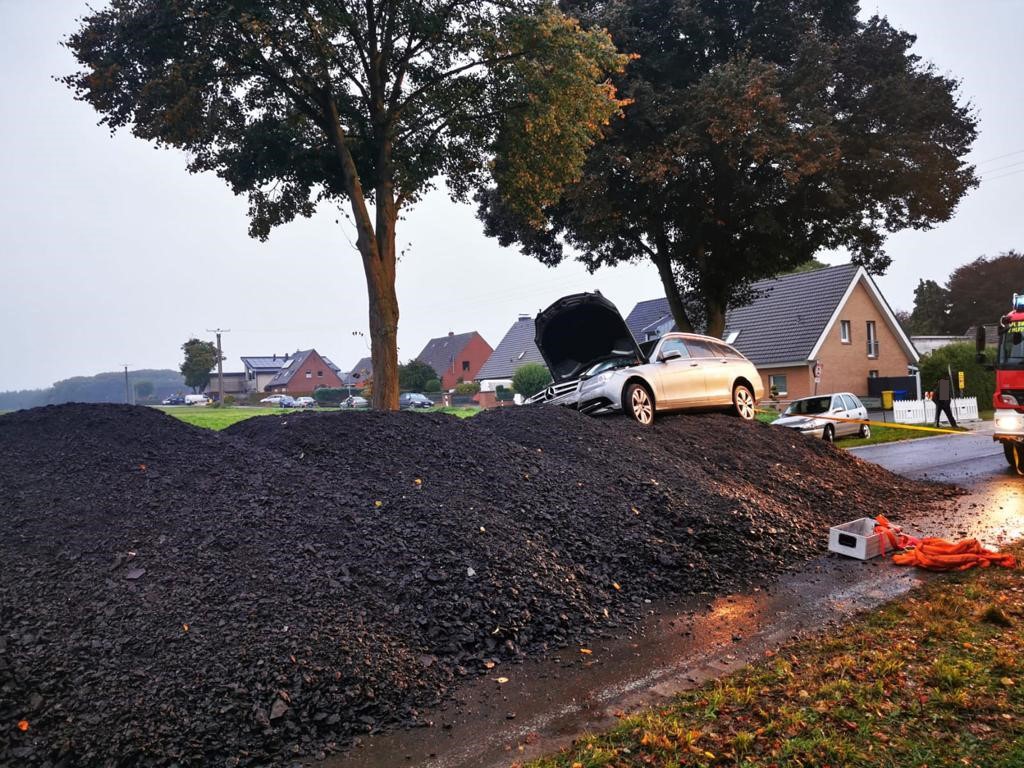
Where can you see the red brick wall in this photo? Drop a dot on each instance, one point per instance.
(300, 385)
(475, 353)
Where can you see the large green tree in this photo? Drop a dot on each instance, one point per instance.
(414, 375)
(931, 309)
(760, 133)
(980, 292)
(363, 104)
(200, 358)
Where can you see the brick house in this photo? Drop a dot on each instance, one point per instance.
(261, 370)
(834, 317)
(456, 357)
(303, 373)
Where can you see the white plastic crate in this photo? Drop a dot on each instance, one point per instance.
(855, 539)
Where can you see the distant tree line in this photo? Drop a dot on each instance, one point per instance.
(148, 384)
(977, 293)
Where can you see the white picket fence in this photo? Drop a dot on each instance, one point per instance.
(923, 411)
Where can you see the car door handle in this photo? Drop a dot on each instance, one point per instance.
(694, 365)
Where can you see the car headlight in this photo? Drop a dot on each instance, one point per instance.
(1012, 422)
(601, 378)
(1007, 398)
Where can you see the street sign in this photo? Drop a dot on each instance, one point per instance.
(960, 377)
(817, 373)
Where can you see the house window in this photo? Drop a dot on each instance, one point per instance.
(309, 374)
(844, 331)
(465, 365)
(873, 374)
(777, 386)
(319, 374)
(872, 339)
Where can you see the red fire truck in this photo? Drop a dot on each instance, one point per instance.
(1008, 399)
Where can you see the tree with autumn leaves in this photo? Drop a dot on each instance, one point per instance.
(759, 134)
(362, 104)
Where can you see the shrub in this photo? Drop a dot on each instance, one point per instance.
(530, 379)
(433, 385)
(229, 400)
(330, 395)
(467, 388)
(978, 382)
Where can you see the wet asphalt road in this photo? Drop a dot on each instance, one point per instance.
(547, 702)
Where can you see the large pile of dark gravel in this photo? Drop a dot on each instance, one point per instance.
(172, 595)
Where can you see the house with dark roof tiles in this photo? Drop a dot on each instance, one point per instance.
(516, 349)
(456, 357)
(360, 374)
(303, 373)
(834, 319)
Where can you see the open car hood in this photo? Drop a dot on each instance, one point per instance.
(579, 330)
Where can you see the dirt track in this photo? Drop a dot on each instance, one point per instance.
(174, 595)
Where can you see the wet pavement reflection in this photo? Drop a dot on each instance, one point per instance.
(547, 702)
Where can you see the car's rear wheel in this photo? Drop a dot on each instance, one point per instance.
(829, 434)
(743, 402)
(865, 431)
(639, 404)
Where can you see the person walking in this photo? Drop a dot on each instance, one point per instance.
(943, 394)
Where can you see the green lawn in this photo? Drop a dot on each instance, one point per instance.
(878, 434)
(221, 418)
(218, 418)
(933, 679)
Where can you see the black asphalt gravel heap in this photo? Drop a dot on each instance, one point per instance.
(170, 595)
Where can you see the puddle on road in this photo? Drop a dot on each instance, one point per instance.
(548, 702)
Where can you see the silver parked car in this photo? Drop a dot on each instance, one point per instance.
(598, 367)
(809, 416)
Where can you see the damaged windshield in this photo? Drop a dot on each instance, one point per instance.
(809, 406)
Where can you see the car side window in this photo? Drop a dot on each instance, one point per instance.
(699, 349)
(837, 402)
(724, 350)
(674, 345)
(851, 402)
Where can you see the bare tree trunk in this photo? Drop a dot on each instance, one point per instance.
(668, 282)
(377, 249)
(716, 319)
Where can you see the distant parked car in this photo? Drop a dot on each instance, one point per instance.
(273, 399)
(197, 400)
(414, 400)
(807, 415)
(287, 401)
(174, 400)
(355, 401)
(305, 402)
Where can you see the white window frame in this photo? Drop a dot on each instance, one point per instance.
(844, 331)
(872, 332)
(782, 391)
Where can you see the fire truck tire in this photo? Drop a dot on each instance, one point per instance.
(1008, 449)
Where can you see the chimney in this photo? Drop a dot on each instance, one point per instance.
(275, 355)
(285, 355)
(451, 333)
(523, 316)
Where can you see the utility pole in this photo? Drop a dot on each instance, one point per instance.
(127, 396)
(220, 364)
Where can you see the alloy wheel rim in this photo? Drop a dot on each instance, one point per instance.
(744, 404)
(642, 406)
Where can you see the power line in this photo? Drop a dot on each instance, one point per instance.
(1003, 176)
(1002, 168)
(1000, 157)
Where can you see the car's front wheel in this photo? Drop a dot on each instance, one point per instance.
(639, 404)
(743, 402)
(829, 434)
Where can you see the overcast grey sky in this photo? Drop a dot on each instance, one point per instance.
(110, 253)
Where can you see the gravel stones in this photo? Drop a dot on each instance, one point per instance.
(171, 595)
